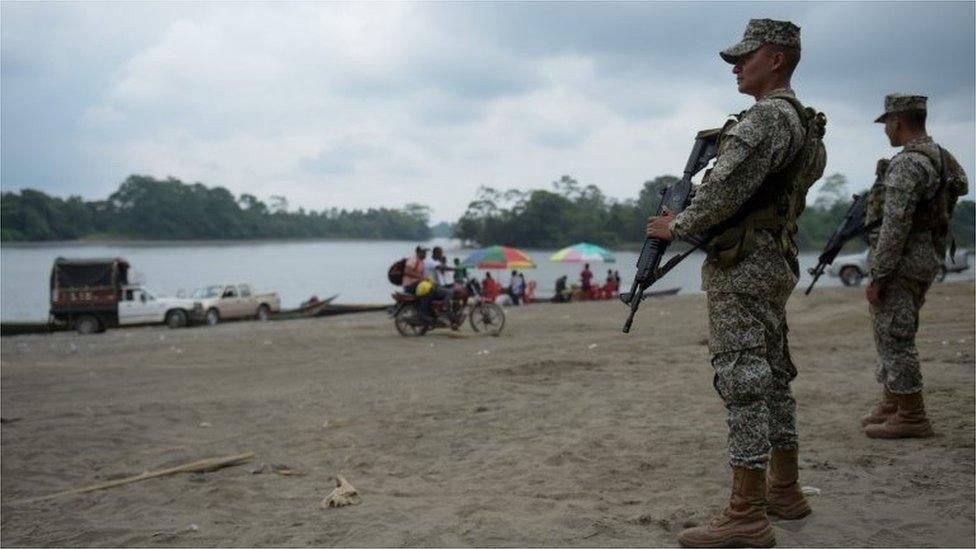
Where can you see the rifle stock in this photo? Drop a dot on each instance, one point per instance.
(675, 198)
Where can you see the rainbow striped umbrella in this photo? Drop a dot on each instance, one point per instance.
(498, 257)
(583, 253)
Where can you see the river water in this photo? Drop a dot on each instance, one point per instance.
(356, 270)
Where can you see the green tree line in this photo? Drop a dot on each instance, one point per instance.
(571, 212)
(148, 208)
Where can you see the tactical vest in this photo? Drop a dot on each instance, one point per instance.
(931, 214)
(779, 200)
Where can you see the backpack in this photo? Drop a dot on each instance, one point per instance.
(808, 165)
(395, 273)
(934, 213)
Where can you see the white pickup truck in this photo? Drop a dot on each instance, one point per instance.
(853, 268)
(137, 305)
(231, 301)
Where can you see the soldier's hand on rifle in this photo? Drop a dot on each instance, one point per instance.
(875, 293)
(657, 226)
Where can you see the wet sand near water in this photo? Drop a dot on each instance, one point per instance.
(560, 432)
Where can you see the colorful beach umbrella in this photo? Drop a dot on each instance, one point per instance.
(498, 257)
(583, 253)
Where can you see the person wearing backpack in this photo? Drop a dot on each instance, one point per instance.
(413, 270)
(746, 208)
(910, 209)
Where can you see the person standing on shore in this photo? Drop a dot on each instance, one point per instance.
(913, 206)
(748, 204)
(586, 276)
(460, 273)
(516, 287)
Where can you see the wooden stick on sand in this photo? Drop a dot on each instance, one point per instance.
(202, 466)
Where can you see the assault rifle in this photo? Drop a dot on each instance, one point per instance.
(675, 198)
(852, 226)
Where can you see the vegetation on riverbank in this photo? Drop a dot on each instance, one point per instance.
(151, 209)
(571, 212)
(147, 208)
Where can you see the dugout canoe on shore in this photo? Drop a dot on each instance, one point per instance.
(347, 308)
(306, 310)
(653, 293)
(324, 308)
(24, 328)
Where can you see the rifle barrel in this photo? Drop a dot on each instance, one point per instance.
(816, 276)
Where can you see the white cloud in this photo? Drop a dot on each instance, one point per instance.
(379, 104)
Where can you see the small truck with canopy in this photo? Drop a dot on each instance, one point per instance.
(91, 295)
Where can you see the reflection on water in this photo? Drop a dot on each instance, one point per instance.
(356, 270)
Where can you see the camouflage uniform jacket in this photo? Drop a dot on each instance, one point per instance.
(898, 249)
(764, 141)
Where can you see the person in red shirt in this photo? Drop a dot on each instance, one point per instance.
(585, 277)
(490, 288)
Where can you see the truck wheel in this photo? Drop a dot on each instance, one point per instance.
(87, 324)
(213, 317)
(851, 276)
(264, 313)
(176, 318)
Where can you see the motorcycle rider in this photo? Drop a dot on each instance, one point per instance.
(413, 270)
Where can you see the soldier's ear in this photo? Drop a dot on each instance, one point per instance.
(777, 59)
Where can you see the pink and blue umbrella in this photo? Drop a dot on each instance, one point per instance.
(583, 253)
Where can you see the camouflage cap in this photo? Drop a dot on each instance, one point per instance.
(760, 32)
(901, 102)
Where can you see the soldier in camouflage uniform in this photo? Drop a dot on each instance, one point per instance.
(912, 205)
(748, 203)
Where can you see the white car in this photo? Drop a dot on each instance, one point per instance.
(140, 306)
(853, 268)
(230, 301)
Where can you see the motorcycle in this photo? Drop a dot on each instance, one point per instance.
(465, 302)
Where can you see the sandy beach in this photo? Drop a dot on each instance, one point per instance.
(561, 432)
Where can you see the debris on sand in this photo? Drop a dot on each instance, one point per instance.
(810, 491)
(287, 471)
(201, 466)
(175, 533)
(343, 494)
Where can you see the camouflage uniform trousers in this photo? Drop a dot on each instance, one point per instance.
(895, 323)
(753, 371)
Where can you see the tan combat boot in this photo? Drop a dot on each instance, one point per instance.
(908, 422)
(743, 523)
(884, 408)
(784, 499)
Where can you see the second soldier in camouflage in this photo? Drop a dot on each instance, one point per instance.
(911, 209)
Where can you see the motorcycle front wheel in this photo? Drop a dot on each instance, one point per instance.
(408, 323)
(488, 318)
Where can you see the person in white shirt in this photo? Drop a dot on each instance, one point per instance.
(516, 288)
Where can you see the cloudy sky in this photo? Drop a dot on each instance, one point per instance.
(379, 104)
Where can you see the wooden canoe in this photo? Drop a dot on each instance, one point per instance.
(308, 311)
